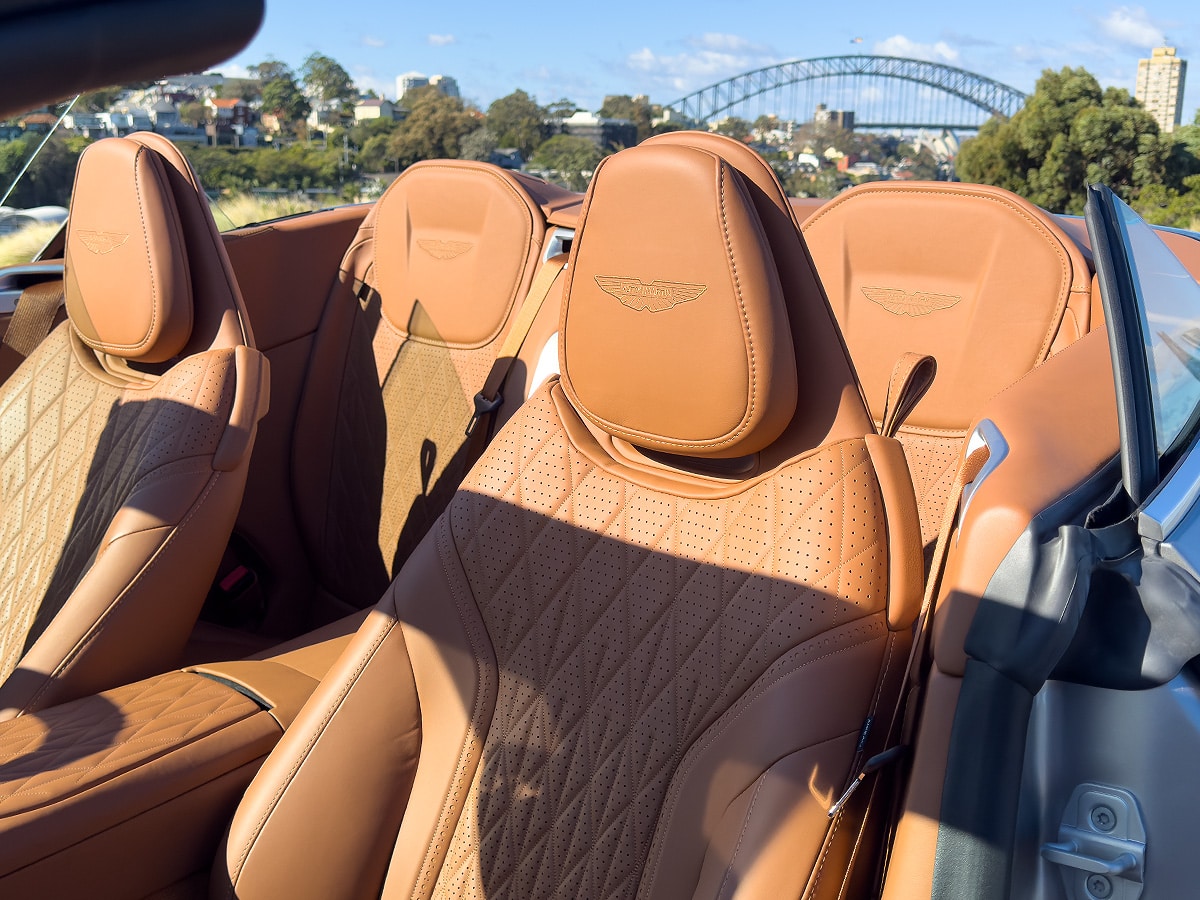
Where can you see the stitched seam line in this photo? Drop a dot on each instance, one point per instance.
(684, 769)
(286, 781)
(742, 834)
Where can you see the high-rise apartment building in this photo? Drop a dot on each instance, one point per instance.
(446, 85)
(409, 81)
(1160, 86)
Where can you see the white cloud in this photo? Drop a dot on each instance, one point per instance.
(365, 78)
(441, 40)
(709, 58)
(1132, 25)
(370, 40)
(899, 45)
(233, 70)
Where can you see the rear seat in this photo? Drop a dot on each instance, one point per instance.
(426, 294)
(976, 277)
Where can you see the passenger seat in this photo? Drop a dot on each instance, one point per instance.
(124, 436)
(640, 652)
(976, 277)
(425, 297)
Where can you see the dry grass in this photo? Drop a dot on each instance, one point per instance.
(21, 246)
(242, 209)
(229, 213)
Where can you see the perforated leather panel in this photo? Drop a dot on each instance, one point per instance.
(63, 751)
(398, 455)
(625, 620)
(933, 461)
(72, 448)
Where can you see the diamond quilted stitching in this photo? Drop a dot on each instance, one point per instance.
(625, 620)
(64, 750)
(381, 475)
(74, 448)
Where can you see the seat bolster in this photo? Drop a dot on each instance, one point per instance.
(320, 818)
(713, 829)
(96, 640)
(128, 790)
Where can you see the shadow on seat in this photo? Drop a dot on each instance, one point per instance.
(124, 437)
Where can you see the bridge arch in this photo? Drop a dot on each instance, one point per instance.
(882, 91)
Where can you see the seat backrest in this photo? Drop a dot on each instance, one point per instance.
(426, 294)
(124, 436)
(635, 655)
(974, 276)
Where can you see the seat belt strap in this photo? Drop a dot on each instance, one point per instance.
(899, 730)
(488, 400)
(34, 316)
(912, 376)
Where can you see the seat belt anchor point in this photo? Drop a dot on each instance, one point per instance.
(483, 407)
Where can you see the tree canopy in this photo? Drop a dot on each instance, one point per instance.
(325, 80)
(1071, 133)
(574, 158)
(517, 121)
(433, 129)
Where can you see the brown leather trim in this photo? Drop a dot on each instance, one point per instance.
(1060, 423)
(906, 568)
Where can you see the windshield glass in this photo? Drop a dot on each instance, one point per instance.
(37, 167)
(1169, 310)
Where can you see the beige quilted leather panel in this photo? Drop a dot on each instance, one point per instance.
(412, 428)
(71, 442)
(66, 750)
(933, 461)
(627, 623)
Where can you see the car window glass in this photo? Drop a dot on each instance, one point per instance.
(1169, 310)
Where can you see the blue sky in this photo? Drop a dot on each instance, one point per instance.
(586, 50)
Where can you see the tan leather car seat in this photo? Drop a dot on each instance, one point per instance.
(124, 437)
(974, 276)
(426, 294)
(636, 653)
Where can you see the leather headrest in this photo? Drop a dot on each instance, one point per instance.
(451, 248)
(675, 335)
(974, 276)
(127, 280)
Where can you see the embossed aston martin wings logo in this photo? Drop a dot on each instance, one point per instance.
(654, 297)
(444, 249)
(100, 242)
(905, 303)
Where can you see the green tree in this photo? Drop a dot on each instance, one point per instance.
(48, 180)
(517, 121)
(282, 98)
(325, 80)
(1071, 133)
(637, 111)
(98, 100)
(478, 145)
(271, 69)
(433, 129)
(571, 157)
(734, 127)
(193, 113)
(561, 108)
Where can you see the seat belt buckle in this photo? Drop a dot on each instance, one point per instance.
(874, 764)
(483, 407)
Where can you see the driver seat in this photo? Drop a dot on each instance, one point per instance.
(124, 436)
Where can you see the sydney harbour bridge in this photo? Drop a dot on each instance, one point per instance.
(883, 92)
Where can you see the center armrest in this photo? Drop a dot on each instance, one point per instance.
(132, 787)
